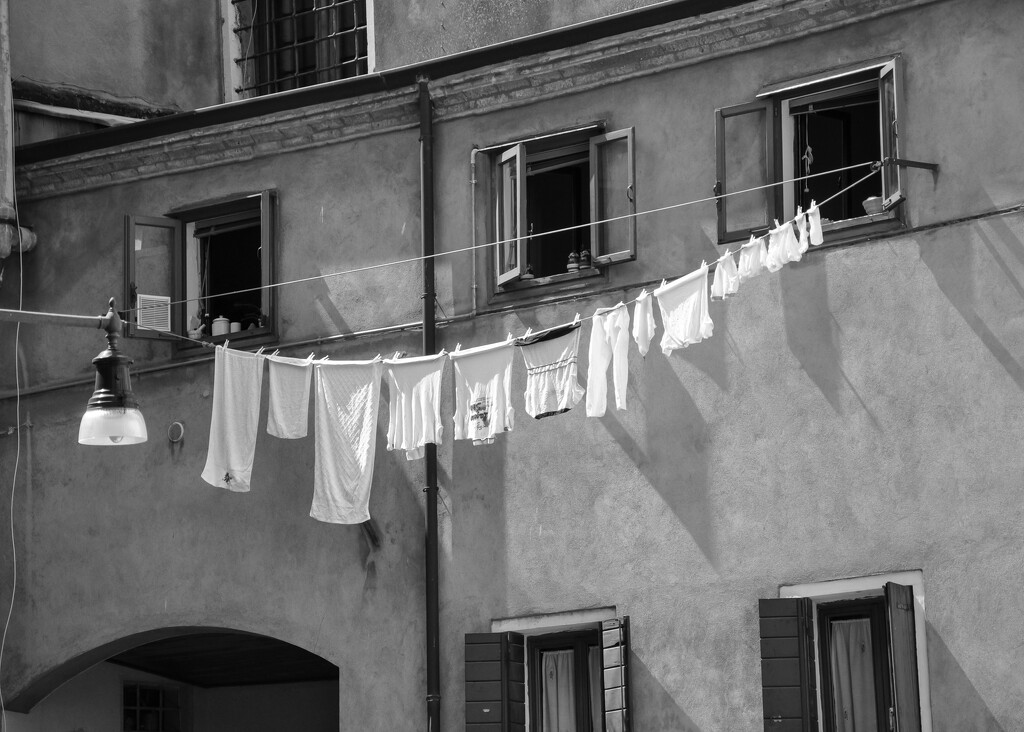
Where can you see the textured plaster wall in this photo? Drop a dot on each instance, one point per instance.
(164, 53)
(115, 544)
(856, 413)
(410, 31)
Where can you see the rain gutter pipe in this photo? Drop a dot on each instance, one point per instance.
(430, 348)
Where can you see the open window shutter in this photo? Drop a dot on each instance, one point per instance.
(613, 194)
(889, 85)
(788, 686)
(899, 602)
(615, 663)
(152, 275)
(268, 295)
(744, 137)
(510, 214)
(495, 682)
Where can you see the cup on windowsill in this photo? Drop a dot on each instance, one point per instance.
(872, 205)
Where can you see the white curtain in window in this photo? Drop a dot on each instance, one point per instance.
(558, 702)
(853, 676)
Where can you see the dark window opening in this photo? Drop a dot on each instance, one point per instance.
(557, 197)
(148, 708)
(287, 44)
(230, 274)
(832, 132)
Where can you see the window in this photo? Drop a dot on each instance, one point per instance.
(150, 709)
(201, 270)
(287, 44)
(863, 640)
(822, 123)
(575, 679)
(556, 182)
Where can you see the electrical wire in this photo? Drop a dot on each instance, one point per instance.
(525, 237)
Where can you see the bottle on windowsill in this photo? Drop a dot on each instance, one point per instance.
(574, 263)
(528, 275)
(585, 259)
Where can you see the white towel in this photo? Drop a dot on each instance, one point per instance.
(414, 403)
(288, 417)
(346, 439)
(643, 321)
(783, 247)
(684, 311)
(237, 386)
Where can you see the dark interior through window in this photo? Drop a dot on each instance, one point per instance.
(229, 261)
(835, 129)
(557, 197)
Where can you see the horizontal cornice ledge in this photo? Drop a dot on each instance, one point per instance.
(207, 147)
(641, 53)
(525, 80)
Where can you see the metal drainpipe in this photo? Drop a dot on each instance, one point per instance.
(429, 348)
(12, 237)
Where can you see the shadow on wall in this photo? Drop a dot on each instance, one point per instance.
(956, 704)
(676, 438)
(952, 268)
(653, 707)
(812, 333)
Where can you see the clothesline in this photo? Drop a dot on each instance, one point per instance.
(346, 393)
(876, 165)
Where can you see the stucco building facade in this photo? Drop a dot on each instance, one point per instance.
(852, 422)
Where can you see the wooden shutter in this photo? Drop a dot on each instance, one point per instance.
(613, 195)
(788, 686)
(745, 143)
(615, 663)
(899, 602)
(495, 683)
(152, 247)
(889, 83)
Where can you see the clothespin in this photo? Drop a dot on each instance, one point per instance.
(510, 337)
(259, 350)
(576, 319)
(398, 355)
(443, 352)
(528, 333)
(458, 347)
(276, 351)
(226, 343)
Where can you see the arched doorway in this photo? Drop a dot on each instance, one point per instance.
(191, 680)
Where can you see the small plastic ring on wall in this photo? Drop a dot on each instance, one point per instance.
(176, 432)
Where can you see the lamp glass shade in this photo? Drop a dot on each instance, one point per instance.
(112, 426)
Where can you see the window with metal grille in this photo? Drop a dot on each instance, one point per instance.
(287, 44)
(150, 709)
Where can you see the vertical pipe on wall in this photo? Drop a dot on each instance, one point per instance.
(11, 236)
(430, 347)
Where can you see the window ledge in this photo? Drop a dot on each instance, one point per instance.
(242, 339)
(531, 283)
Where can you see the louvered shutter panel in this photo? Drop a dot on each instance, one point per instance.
(899, 601)
(615, 663)
(788, 685)
(495, 683)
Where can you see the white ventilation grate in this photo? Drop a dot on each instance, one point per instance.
(154, 312)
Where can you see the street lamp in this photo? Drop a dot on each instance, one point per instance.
(112, 416)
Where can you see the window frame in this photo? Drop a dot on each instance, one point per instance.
(593, 138)
(496, 664)
(579, 641)
(776, 100)
(873, 586)
(251, 70)
(257, 206)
